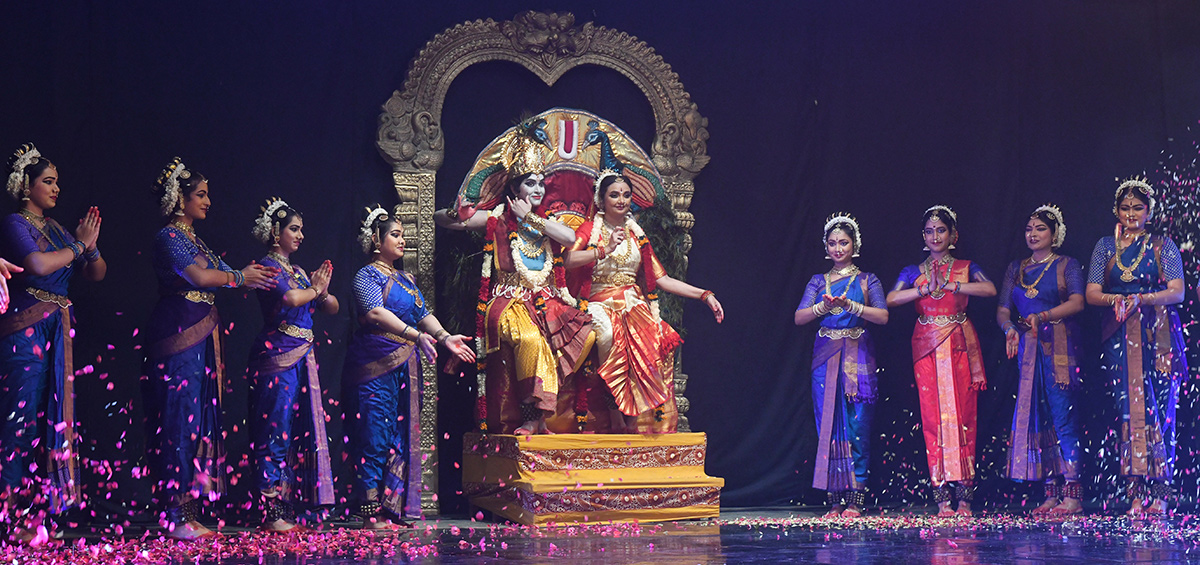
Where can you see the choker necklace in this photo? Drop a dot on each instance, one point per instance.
(852, 269)
(184, 227)
(383, 266)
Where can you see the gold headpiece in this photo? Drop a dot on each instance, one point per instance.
(17, 180)
(365, 233)
(1136, 183)
(844, 218)
(169, 181)
(938, 209)
(1060, 234)
(264, 225)
(523, 156)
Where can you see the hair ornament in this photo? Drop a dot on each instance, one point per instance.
(365, 233)
(939, 209)
(1140, 184)
(844, 218)
(263, 225)
(1060, 234)
(603, 175)
(17, 181)
(169, 181)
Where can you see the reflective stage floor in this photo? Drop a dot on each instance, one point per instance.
(739, 536)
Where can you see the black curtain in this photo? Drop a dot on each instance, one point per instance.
(880, 109)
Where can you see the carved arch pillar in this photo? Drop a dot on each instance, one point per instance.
(547, 44)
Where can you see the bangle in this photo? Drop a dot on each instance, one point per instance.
(818, 310)
(1043, 316)
(1007, 327)
(855, 308)
(76, 248)
(237, 279)
(441, 335)
(704, 295)
(957, 287)
(93, 255)
(601, 252)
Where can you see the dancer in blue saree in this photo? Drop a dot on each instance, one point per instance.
(381, 378)
(183, 374)
(1046, 291)
(1139, 277)
(287, 417)
(843, 367)
(39, 467)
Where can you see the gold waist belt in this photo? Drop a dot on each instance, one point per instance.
(841, 333)
(296, 331)
(60, 300)
(199, 296)
(614, 279)
(942, 320)
(390, 336)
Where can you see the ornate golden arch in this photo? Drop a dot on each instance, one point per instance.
(548, 45)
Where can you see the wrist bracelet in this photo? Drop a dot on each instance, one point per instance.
(93, 255)
(957, 287)
(238, 279)
(536, 222)
(441, 335)
(704, 295)
(1007, 326)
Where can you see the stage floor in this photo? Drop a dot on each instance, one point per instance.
(774, 535)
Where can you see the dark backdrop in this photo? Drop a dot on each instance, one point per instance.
(877, 108)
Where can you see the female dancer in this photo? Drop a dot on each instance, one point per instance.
(843, 366)
(1139, 277)
(183, 371)
(381, 377)
(634, 345)
(287, 426)
(946, 357)
(1046, 290)
(36, 391)
(532, 336)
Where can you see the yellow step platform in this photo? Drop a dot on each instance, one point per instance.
(589, 478)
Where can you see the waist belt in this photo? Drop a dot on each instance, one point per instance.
(390, 336)
(199, 296)
(942, 320)
(43, 296)
(296, 331)
(840, 333)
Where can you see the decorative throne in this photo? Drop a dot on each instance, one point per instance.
(548, 44)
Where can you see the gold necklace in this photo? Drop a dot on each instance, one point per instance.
(384, 267)
(929, 265)
(1031, 290)
(199, 243)
(1127, 272)
(288, 268)
(184, 227)
(531, 248)
(38, 222)
(851, 271)
(394, 274)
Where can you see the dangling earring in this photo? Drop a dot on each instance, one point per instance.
(25, 195)
(179, 210)
(926, 248)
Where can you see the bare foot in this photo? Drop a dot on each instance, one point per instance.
(1136, 508)
(964, 508)
(1050, 504)
(530, 427)
(852, 511)
(189, 531)
(944, 510)
(834, 512)
(1068, 507)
